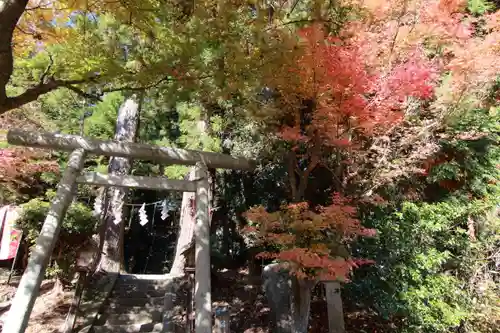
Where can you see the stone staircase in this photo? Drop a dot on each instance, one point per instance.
(137, 303)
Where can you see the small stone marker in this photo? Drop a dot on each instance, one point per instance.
(277, 287)
(335, 311)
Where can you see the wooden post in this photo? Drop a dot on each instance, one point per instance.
(29, 287)
(190, 301)
(202, 293)
(69, 323)
(186, 231)
(222, 319)
(335, 311)
(15, 257)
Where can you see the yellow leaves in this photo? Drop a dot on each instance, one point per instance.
(39, 24)
(47, 22)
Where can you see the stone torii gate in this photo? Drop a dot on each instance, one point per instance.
(29, 287)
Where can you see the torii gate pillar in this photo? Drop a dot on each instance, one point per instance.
(202, 291)
(29, 287)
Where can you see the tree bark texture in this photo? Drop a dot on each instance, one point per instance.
(186, 229)
(127, 127)
(10, 12)
(185, 240)
(301, 304)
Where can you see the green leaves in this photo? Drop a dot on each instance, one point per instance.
(479, 6)
(433, 249)
(77, 227)
(79, 219)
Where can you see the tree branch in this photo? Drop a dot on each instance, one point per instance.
(304, 177)
(292, 162)
(166, 78)
(83, 93)
(47, 71)
(31, 94)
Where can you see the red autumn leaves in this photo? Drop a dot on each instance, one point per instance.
(309, 239)
(350, 96)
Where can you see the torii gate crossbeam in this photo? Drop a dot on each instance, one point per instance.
(137, 151)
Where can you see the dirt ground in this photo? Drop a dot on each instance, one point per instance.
(249, 310)
(50, 307)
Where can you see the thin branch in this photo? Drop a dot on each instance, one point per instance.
(292, 162)
(83, 93)
(293, 8)
(44, 75)
(24, 31)
(394, 39)
(31, 94)
(304, 178)
(283, 24)
(167, 78)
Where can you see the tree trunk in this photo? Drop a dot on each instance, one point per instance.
(185, 240)
(10, 12)
(301, 304)
(127, 127)
(186, 230)
(301, 289)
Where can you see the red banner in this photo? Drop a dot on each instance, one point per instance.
(11, 237)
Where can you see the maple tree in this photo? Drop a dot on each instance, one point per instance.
(406, 59)
(298, 233)
(343, 103)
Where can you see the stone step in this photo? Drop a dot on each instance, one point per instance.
(137, 293)
(151, 327)
(137, 278)
(137, 301)
(143, 317)
(140, 286)
(130, 308)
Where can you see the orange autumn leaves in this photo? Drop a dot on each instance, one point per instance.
(310, 240)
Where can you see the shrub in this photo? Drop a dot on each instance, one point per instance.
(77, 228)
